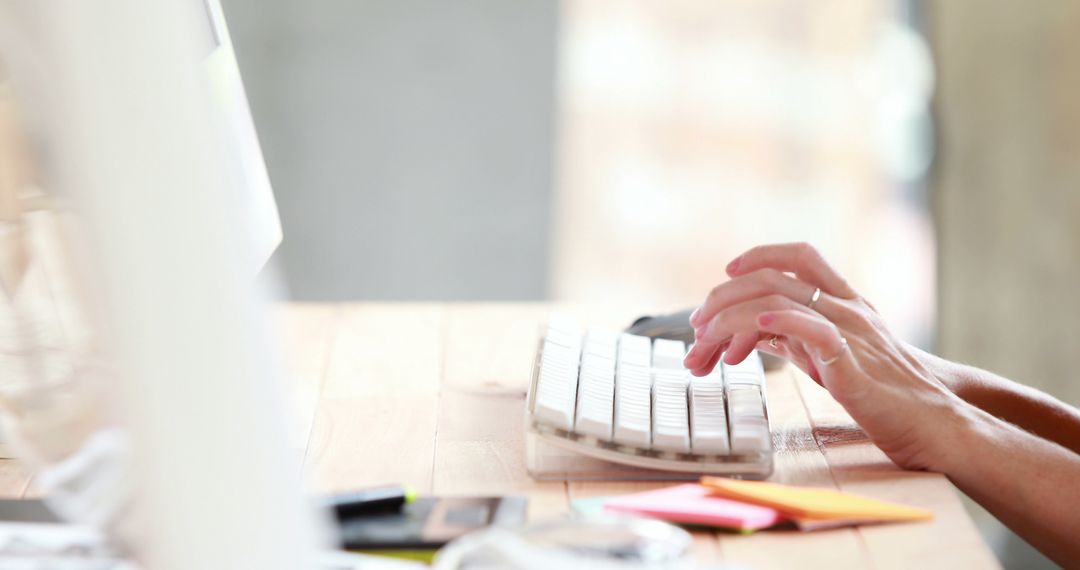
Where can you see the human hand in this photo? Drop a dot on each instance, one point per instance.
(838, 339)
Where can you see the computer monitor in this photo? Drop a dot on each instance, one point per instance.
(252, 198)
(140, 116)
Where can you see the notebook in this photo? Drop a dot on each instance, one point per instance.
(694, 504)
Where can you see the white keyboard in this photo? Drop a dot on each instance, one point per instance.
(627, 399)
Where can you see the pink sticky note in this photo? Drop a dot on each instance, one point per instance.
(693, 504)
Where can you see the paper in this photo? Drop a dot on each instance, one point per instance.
(811, 503)
(695, 504)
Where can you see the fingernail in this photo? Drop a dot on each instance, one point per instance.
(694, 316)
(766, 319)
(734, 264)
(698, 333)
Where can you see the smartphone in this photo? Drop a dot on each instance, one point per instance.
(430, 522)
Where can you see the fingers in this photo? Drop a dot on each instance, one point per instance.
(742, 318)
(788, 349)
(712, 362)
(766, 281)
(741, 346)
(830, 356)
(723, 328)
(819, 335)
(703, 357)
(798, 258)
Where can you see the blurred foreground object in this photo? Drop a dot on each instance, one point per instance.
(602, 542)
(137, 374)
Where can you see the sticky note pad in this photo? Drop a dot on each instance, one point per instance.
(804, 502)
(695, 504)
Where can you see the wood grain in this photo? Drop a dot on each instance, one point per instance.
(433, 395)
(15, 479)
(949, 540)
(479, 446)
(798, 461)
(375, 421)
(306, 331)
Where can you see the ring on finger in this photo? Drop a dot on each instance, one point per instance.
(839, 353)
(774, 341)
(814, 298)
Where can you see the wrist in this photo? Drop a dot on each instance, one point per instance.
(964, 433)
(955, 377)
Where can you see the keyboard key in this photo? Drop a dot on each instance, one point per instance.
(749, 371)
(671, 422)
(596, 387)
(556, 386)
(563, 323)
(708, 416)
(748, 428)
(633, 403)
(668, 354)
(603, 339)
(633, 392)
(634, 349)
(563, 331)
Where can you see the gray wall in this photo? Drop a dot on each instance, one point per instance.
(409, 142)
(1007, 199)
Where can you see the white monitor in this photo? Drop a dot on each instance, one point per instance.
(253, 198)
(162, 162)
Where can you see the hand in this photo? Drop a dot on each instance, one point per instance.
(841, 342)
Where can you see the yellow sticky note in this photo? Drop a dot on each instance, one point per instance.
(814, 503)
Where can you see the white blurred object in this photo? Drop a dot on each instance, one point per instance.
(900, 74)
(250, 194)
(93, 484)
(598, 542)
(747, 123)
(161, 161)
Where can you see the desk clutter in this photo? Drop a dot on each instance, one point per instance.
(394, 521)
(406, 531)
(748, 506)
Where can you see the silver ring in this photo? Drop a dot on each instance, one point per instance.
(814, 298)
(843, 347)
(773, 342)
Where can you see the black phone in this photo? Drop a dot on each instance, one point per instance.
(430, 522)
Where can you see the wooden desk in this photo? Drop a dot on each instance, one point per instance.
(432, 395)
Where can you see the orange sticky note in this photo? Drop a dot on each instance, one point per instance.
(811, 503)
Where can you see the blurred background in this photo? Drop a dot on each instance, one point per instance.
(622, 152)
(588, 150)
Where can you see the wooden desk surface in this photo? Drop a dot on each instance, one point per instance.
(432, 395)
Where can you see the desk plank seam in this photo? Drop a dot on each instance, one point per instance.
(867, 554)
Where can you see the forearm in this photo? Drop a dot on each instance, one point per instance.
(1023, 406)
(1030, 484)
